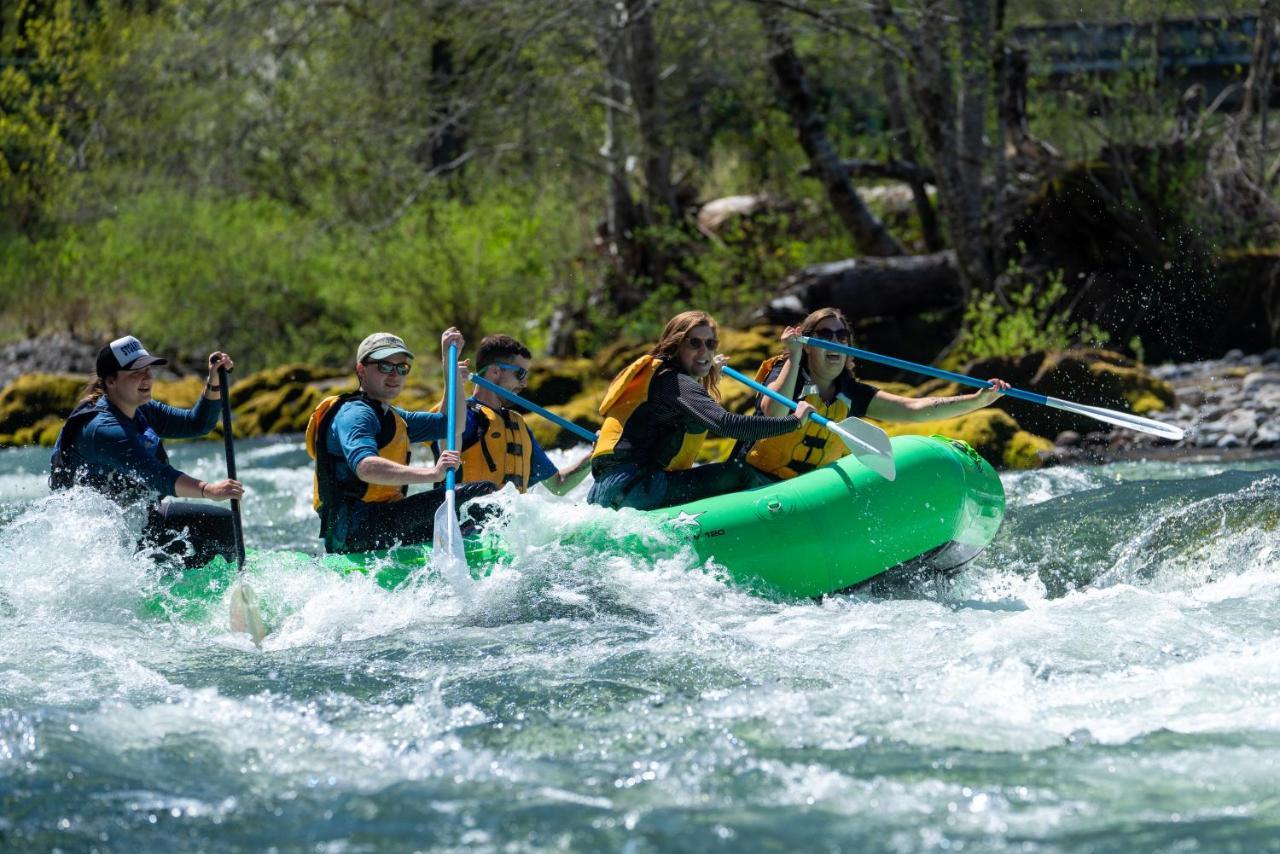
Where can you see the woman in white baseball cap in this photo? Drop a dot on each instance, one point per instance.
(112, 443)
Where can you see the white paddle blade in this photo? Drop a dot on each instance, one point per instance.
(869, 444)
(1120, 419)
(246, 617)
(448, 554)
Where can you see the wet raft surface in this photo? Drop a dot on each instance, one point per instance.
(1103, 678)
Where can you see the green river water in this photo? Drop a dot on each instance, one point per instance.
(1105, 677)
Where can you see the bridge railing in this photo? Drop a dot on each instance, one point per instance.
(1089, 47)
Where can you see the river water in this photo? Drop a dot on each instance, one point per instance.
(1106, 677)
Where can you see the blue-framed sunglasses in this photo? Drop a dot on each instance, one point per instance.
(521, 373)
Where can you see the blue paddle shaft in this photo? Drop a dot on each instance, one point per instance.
(768, 392)
(581, 432)
(928, 371)
(451, 384)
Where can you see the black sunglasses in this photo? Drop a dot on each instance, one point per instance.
(831, 335)
(390, 368)
(699, 344)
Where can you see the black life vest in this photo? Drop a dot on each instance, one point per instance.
(65, 473)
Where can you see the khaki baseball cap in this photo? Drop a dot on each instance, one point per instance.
(380, 345)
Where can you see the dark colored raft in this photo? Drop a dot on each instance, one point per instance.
(822, 532)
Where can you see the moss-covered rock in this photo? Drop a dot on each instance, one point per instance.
(34, 399)
(276, 378)
(557, 381)
(992, 433)
(747, 348)
(280, 400)
(280, 410)
(43, 432)
(583, 410)
(900, 389)
(180, 392)
(1089, 376)
(610, 361)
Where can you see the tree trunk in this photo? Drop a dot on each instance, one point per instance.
(620, 215)
(870, 287)
(1257, 87)
(811, 128)
(976, 62)
(448, 138)
(950, 139)
(660, 208)
(651, 118)
(900, 131)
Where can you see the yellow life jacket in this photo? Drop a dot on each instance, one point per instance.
(502, 453)
(393, 444)
(628, 391)
(808, 446)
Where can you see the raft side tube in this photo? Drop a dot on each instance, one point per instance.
(841, 524)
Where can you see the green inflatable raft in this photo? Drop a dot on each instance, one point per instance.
(822, 532)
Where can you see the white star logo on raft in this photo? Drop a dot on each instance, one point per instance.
(688, 518)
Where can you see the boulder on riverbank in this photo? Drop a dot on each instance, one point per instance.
(33, 407)
(991, 432)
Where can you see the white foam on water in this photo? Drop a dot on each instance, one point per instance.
(603, 667)
(316, 743)
(71, 553)
(1200, 541)
(1028, 488)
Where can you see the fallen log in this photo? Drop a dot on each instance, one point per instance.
(869, 287)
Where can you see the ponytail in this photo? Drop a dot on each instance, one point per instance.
(93, 391)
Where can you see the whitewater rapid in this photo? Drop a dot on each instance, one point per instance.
(1106, 677)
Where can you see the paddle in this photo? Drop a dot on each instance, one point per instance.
(1110, 416)
(448, 555)
(581, 432)
(245, 615)
(867, 442)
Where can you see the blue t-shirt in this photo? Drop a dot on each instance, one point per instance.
(540, 465)
(112, 443)
(353, 435)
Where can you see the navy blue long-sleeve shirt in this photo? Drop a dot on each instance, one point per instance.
(111, 443)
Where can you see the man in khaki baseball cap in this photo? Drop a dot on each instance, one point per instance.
(381, 345)
(361, 443)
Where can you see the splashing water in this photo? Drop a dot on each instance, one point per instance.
(1105, 677)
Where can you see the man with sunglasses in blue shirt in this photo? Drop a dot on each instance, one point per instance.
(497, 446)
(360, 443)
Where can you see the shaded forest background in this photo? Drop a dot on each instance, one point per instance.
(279, 177)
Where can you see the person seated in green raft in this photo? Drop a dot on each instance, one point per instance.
(497, 445)
(826, 381)
(361, 445)
(112, 443)
(657, 413)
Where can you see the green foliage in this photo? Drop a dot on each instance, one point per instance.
(1033, 321)
(47, 57)
(258, 278)
(278, 177)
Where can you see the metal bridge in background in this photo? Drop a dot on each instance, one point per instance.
(1213, 51)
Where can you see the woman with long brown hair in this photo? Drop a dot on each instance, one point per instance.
(657, 413)
(826, 381)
